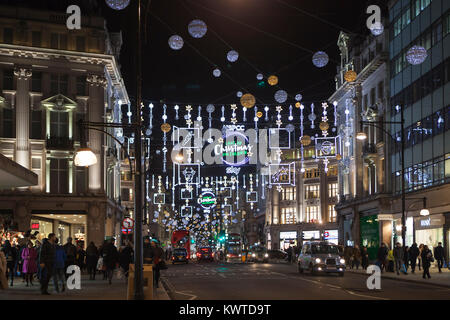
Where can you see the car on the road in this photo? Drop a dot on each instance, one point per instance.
(180, 255)
(321, 256)
(258, 254)
(205, 254)
(277, 254)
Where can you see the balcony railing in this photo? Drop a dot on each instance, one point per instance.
(59, 143)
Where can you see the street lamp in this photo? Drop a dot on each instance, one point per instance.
(361, 136)
(85, 157)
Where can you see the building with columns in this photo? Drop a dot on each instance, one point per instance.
(50, 78)
(304, 211)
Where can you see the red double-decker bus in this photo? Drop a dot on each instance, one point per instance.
(182, 239)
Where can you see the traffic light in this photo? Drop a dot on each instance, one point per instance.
(221, 236)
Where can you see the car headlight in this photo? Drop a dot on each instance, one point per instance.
(342, 261)
(266, 255)
(318, 260)
(253, 255)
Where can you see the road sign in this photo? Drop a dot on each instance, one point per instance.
(127, 223)
(127, 231)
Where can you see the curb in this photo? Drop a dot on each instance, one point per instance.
(404, 280)
(167, 289)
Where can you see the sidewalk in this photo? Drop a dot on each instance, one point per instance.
(98, 289)
(437, 279)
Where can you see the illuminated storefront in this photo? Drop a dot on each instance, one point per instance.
(429, 230)
(288, 239)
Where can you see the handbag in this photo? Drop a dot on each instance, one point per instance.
(100, 264)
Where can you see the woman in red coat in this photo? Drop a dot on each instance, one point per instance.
(29, 256)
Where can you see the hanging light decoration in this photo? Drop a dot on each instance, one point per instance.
(165, 127)
(297, 105)
(272, 80)
(377, 29)
(416, 55)
(290, 128)
(320, 59)
(259, 76)
(239, 94)
(248, 100)
(176, 42)
(350, 76)
(197, 28)
(298, 97)
(305, 140)
(232, 56)
(281, 96)
(312, 116)
(117, 4)
(217, 72)
(259, 114)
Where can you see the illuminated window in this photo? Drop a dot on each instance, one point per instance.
(313, 214)
(288, 215)
(288, 194)
(312, 173)
(312, 191)
(332, 213)
(332, 190)
(332, 171)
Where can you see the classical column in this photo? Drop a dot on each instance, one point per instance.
(95, 229)
(97, 85)
(23, 76)
(323, 192)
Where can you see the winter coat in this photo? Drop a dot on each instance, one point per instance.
(439, 252)
(390, 255)
(71, 252)
(413, 252)
(3, 280)
(398, 253)
(29, 256)
(91, 256)
(427, 257)
(382, 253)
(126, 257)
(110, 256)
(47, 255)
(60, 257)
(356, 254)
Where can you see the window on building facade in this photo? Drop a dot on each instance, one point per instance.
(81, 43)
(36, 124)
(332, 213)
(312, 214)
(8, 79)
(58, 41)
(125, 176)
(36, 167)
(126, 194)
(36, 81)
(81, 85)
(288, 194)
(8, 35)
(36, 39)
(58, 84)
(365, 101)
(332, 171)
(372, 96)
(59, 176)
(288, 215)
(8, 123)
(81, 180)
(59, 124)
(312, 191)
(312, 173)
(381, 90)
(437, 33)
(332, 190)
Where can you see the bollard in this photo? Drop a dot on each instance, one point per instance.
(130, 294)
(148, 282)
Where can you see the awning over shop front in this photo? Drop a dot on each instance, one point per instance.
(13, 175)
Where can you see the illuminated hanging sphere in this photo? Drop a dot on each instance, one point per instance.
(324, 126)
(305, 140)
(259, 114)
(297, 105)
(197, 28)
(338, 157)
(248, 100)
(298, 97)
(350, 76)
(290, 128)
(165, 127)
(320, 59)
(259, 76)
(377, 29)
(176, 42)
(117, 4)
(210, 108)
(416, 55)
(217, 73)
(232, 56)
(312, 117)
(272, 80)
(239, 94)
(281, 96)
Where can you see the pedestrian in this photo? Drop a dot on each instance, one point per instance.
(71, 252)
(126, 257)
(390, 261)
(47, 261)
(110, 258)
(100, 264)
(289, 254)
(157, 255)
(364, 258)
(91, 260)
(29, 267)
(356, 257)
(413, 253)
(421, 246)
(59, 266)
(348, 255)
(11, 259)
(399, 258)
(381, 256)
(439, 256)
(406, 258)
(3, 267)
(79, 257)
(147, 251)
(427, 259)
